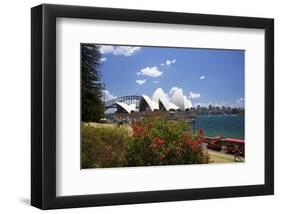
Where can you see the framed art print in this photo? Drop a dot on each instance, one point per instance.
(133, 106)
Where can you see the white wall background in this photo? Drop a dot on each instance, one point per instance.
(15, 105)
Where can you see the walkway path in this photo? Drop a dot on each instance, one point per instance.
(220, 157)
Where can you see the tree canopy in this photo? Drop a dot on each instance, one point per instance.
(91, 88)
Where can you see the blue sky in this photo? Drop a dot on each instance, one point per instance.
(206, 76)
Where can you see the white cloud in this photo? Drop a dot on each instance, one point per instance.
(150, 71)
(162, 64)
(107, 96)
(119, 50)
(155, 81)
(169, 62)
(140, 82)
(202, 77)
(193, 95)
(103, 59)
(173, 89)
(240, 101)
(105, 49)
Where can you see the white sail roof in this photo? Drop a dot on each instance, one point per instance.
(159, 96)
(126, 107)
(172, 106)
(180, 100)
(152, 105)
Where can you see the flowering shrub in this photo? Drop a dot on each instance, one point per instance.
(158, 141)
(151, 141)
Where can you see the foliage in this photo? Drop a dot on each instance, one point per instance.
(151, 141)
(91, 90)
(104, 146)
(158, 141)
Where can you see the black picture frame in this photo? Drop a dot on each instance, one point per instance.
(43, 106)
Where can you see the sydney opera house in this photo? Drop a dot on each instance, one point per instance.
(159, 101)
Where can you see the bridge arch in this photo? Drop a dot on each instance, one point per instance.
(130, 99)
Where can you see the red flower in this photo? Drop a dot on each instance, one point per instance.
(195, 144)
(158, 141)
(137, 130)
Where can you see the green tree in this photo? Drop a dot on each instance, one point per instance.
(92, 105)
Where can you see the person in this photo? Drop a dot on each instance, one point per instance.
(237, 153)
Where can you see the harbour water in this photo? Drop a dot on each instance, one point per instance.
(231, 126)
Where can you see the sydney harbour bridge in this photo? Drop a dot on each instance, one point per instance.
(130, 99)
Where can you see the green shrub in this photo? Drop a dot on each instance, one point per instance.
(103, 146)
